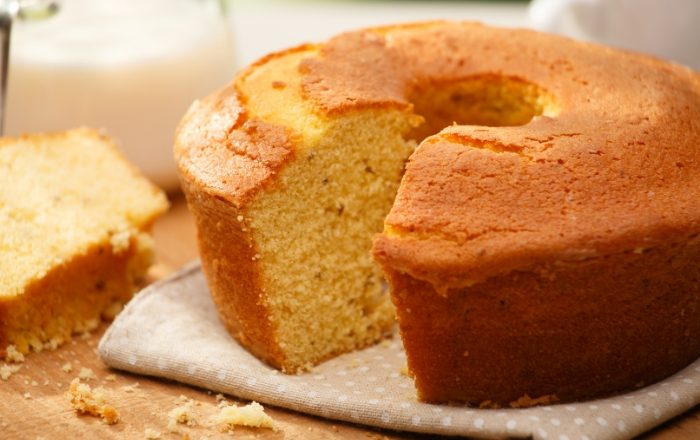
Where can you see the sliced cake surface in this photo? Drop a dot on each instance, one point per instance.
(286, 200)
(74, 238)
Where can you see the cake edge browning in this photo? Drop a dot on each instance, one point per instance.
(488, 208)
(217, 195)
(227, 157)
(591, 334)
(228, 261)
(74, 294)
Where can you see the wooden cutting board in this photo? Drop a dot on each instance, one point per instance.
(34, 403)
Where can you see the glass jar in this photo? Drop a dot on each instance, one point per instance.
(131, 67)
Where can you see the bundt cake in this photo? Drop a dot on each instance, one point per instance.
(74, 242)
(543, 243)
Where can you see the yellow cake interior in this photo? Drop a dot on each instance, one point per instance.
(314, 226)
(74, 218)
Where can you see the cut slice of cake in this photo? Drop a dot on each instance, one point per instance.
(73, 241)
(286, 216)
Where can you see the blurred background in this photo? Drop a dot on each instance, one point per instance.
(133, 67)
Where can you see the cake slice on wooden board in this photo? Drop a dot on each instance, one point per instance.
(74, 241)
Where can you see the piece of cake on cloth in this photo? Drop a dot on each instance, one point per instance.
(543, 241)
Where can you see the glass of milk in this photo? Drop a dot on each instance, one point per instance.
(131, 67)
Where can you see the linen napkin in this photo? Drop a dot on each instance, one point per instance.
(171, 329)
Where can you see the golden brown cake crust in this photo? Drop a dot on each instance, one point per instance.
(78, 291)
(606, 174)
(71, 251)
(571, 330)
(224, 151)
(223, 158)
(565, 186)
(616, 130)
(562, 251)
(227, 254)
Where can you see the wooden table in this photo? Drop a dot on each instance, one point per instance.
(45, 411)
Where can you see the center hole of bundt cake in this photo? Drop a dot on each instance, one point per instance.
(490, 100)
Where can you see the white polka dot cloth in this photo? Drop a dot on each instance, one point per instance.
(171, 330)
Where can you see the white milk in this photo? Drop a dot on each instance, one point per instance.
(130, 67)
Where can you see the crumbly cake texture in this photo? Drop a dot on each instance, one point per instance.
(7, 370)
(86, 374)
(541, 244)
(86, 400)
(74, 243)
(151, 434)
(13, 355)
(252, 415)
(183, 414)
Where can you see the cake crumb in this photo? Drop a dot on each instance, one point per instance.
(87, 326)
(27, 396)
(151, 434)
(183, 398)
(111, 377)
(221, 401)
(85, 400)
(53, 343)
(376, 436)
(67, 367)
(252, 415)
(87, 374)
(112, 310)
(35, 383)
(489, 404)
(526, 401)
(121, 241)
(131, 388)
(35, 344)
(8, 370)
(13, 355)
(181, 414)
